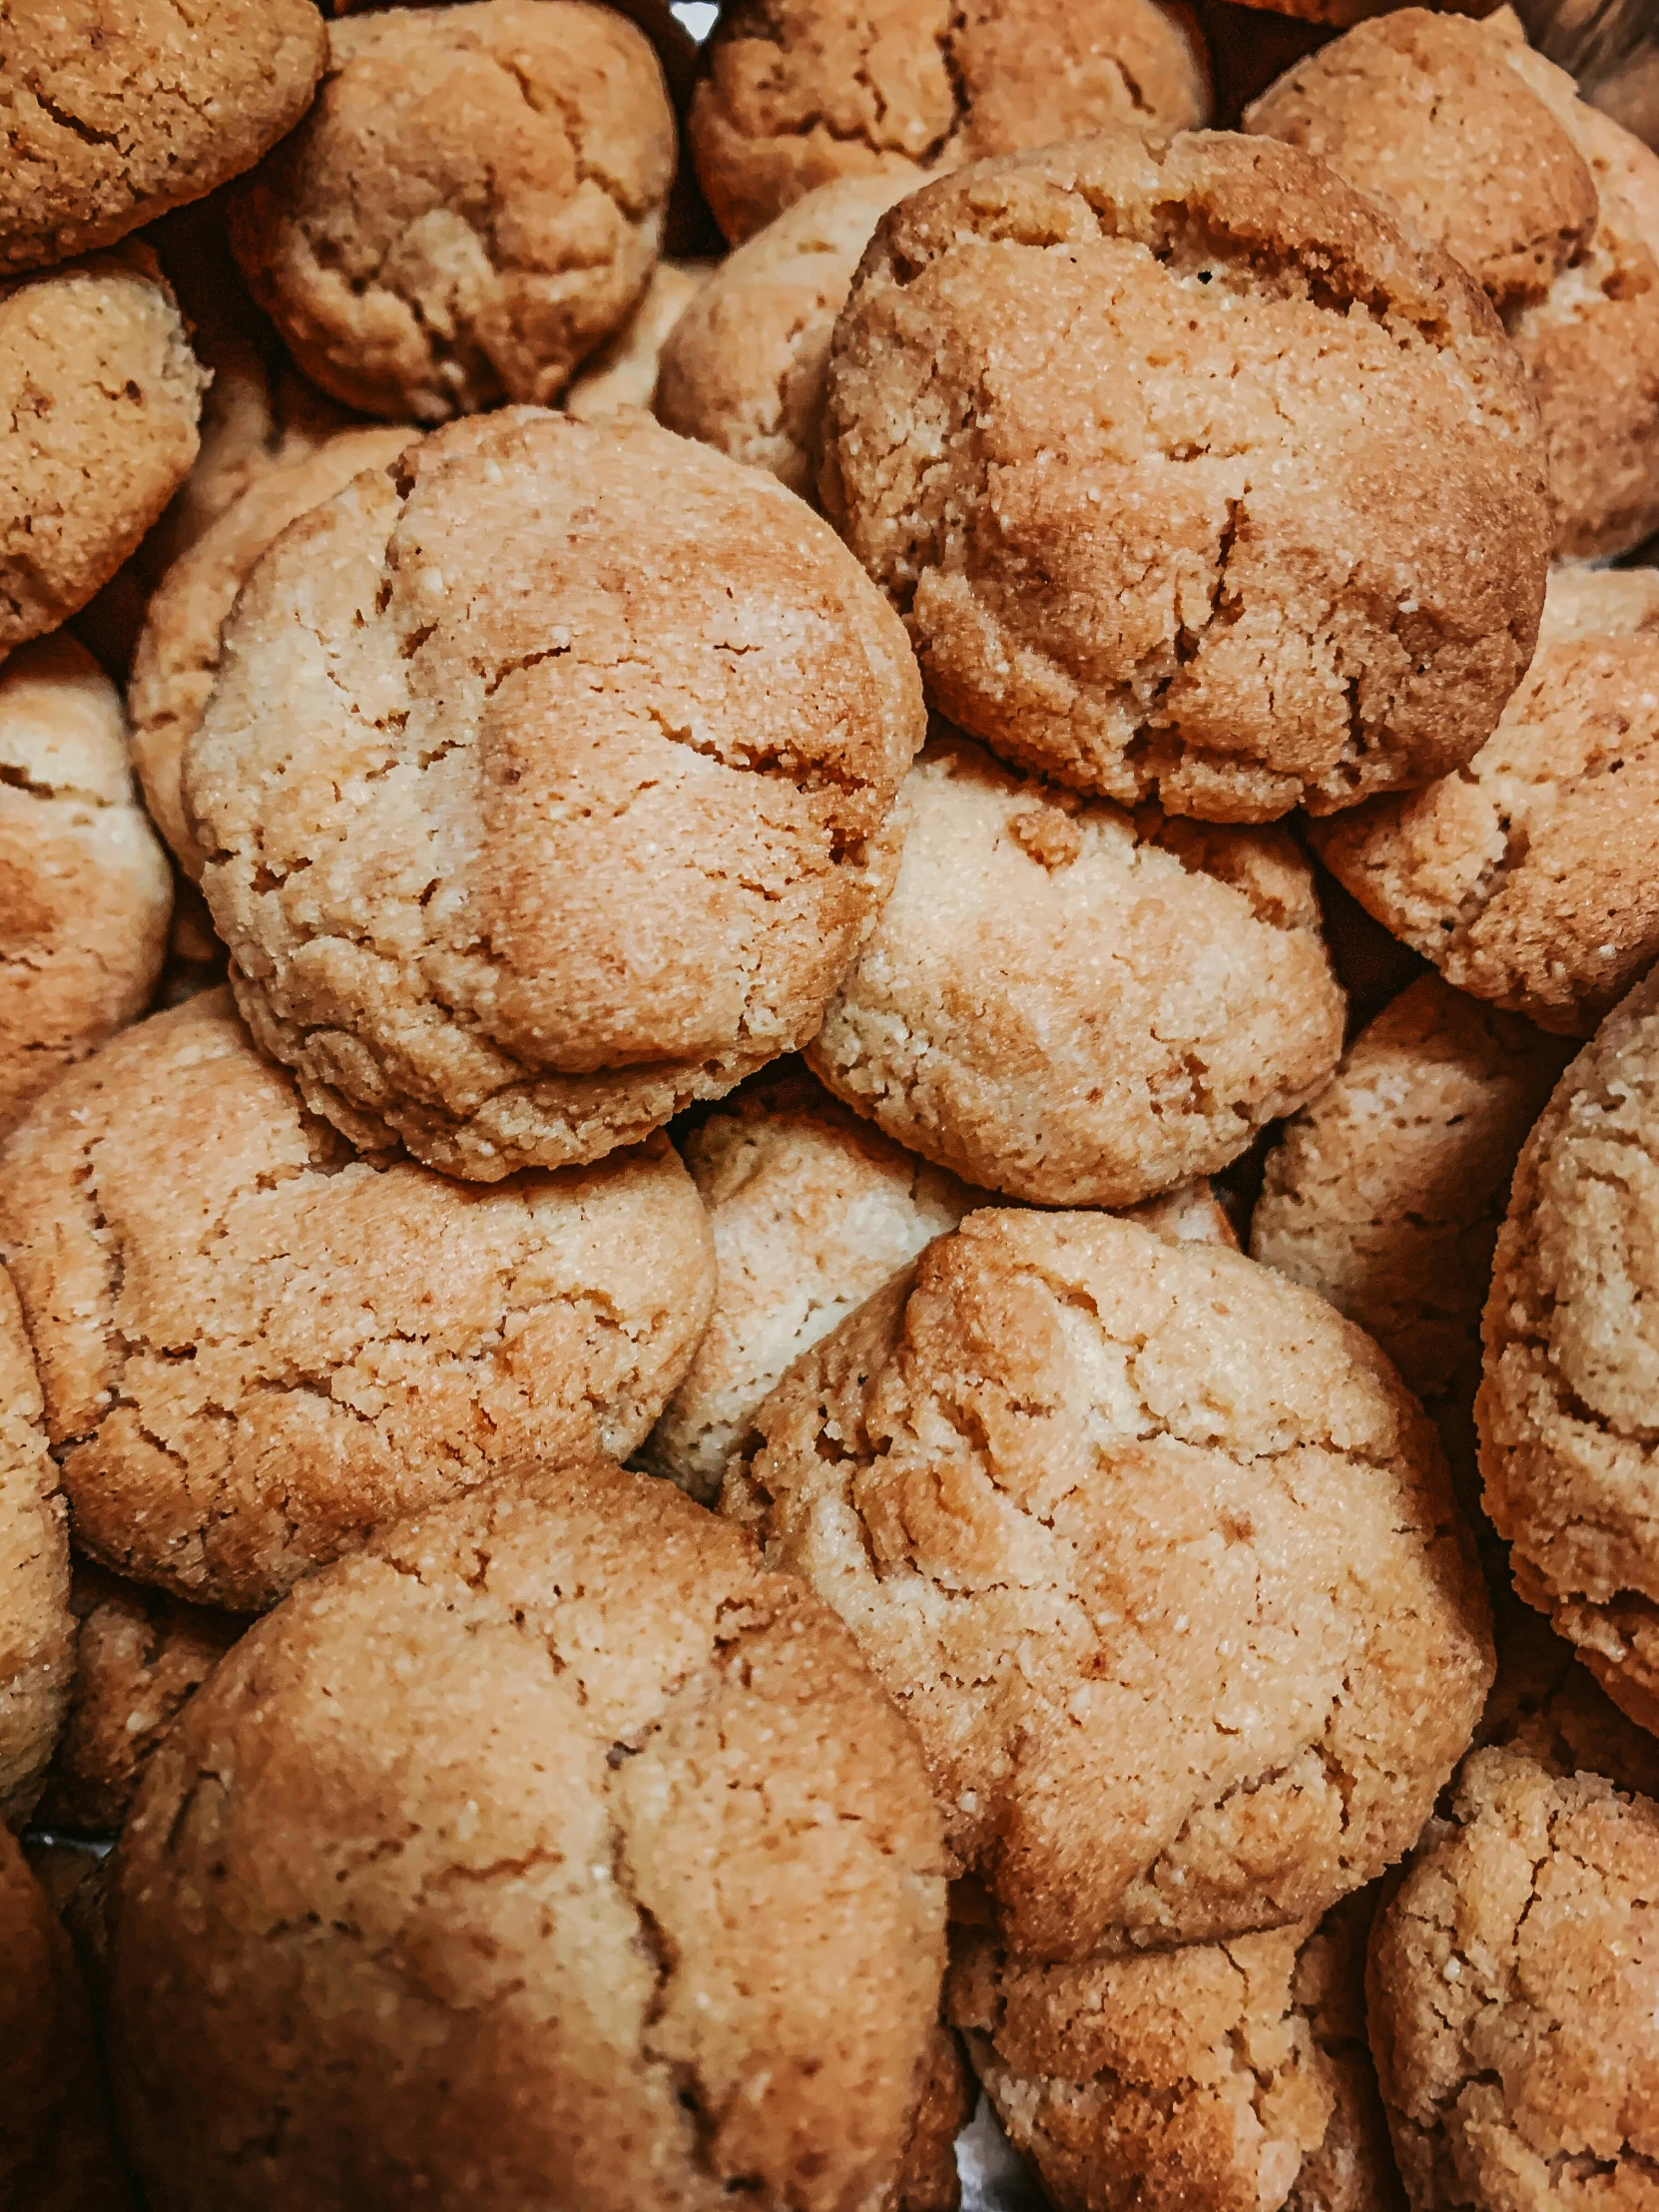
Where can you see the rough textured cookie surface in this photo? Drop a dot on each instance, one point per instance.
(473, 203)
(1158, 1558)
(623, 372)
(255, 1347)
(1193, 476)
(515, 859)
(928, 2180)
(37, 1633)
(556, 1855)
(1513, 1983)
(100, 395)
(1075, 1004)
(797, 94)
(85, 889)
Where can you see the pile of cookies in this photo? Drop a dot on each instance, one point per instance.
(828, 1110)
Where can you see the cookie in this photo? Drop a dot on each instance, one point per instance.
(618, 1879)
(85, 888)
(196, 959)
(927, 2179)
(113, 114)
(1486, 148)
(623, 373)
(1158, 1558)
(1514, 1983)
(1568, 1393)
(255, 1347)
(1546, 1704)
(515, 860)
(100, 395)
(474, 203)
(1528, 878)
(744, 367)
(179, 648)
(1194, 478)
(795, 95)
(1074, 1004)
(37, 1633)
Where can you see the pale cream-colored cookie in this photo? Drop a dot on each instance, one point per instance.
(1193, 476)
(1075, 1004)
(1157, 1556)
(552, 1854)
(473, 203)
(255, 1347)
(85, 888)
(37, 1632)
(623, 373)
(797, 95)
(1531, 877)
(516, 858)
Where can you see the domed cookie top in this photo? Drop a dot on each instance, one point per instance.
(37, 1634)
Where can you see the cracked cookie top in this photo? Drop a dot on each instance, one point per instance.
(1158, 1558)
(1194, 478)
(37, 1633)
(797, 94)
(474, 203)
(1513, 1987)
(553, 1855)
(256, 1347)
(545, 788)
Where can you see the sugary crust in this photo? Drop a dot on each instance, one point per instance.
(473, 203)
(1158, 1558)
(255, 1347)
(556, 1853)
(111, 111)
(516, 860)
(797, 95)
(1528, 878)
(623, 372)
(37, 1634)
(983, 1026)
(1193, 477)
(85, 889)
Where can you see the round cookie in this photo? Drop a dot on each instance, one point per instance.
(1191, 475)
(37, 1633)
(85, 888)
(797, 95)
(179, 646)
(619, 1877)
(1077, 1005)
(100, 395)
(1531, 878)
(114, 113)
(515, 860)
(1513, 1983)
(1157, 1557)
(255, 1347)
(623, 373)
(474, 203)
(744, 367)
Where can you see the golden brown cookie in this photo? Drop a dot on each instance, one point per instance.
(552, 1854)
(927, 2179)
(196, 959)
(255, 1347)
(517, 857)
(1075, 1004)
(797, 95)
(623, 373)
(85, 888)
(1513, 1986)
(1547, 1704)
(111, 111)
(1531, 878)
(1193, 476)
(474, 203)
(1158, 1558)
(100, 395)
(37, 1633)
(179, 646)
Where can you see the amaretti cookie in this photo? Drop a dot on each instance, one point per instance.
(85, 888)
(37, 1631)
(255, 1347)
(928, 2179)
(1075, 1004)
(623, 372)
(100, 395)
(516, 859)
(114, 114)
(1514, 1978)
(474, 203)
(618, 1876)
(796, 94)
(1193, 476)
(1158, 1558)
(1531, 878)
